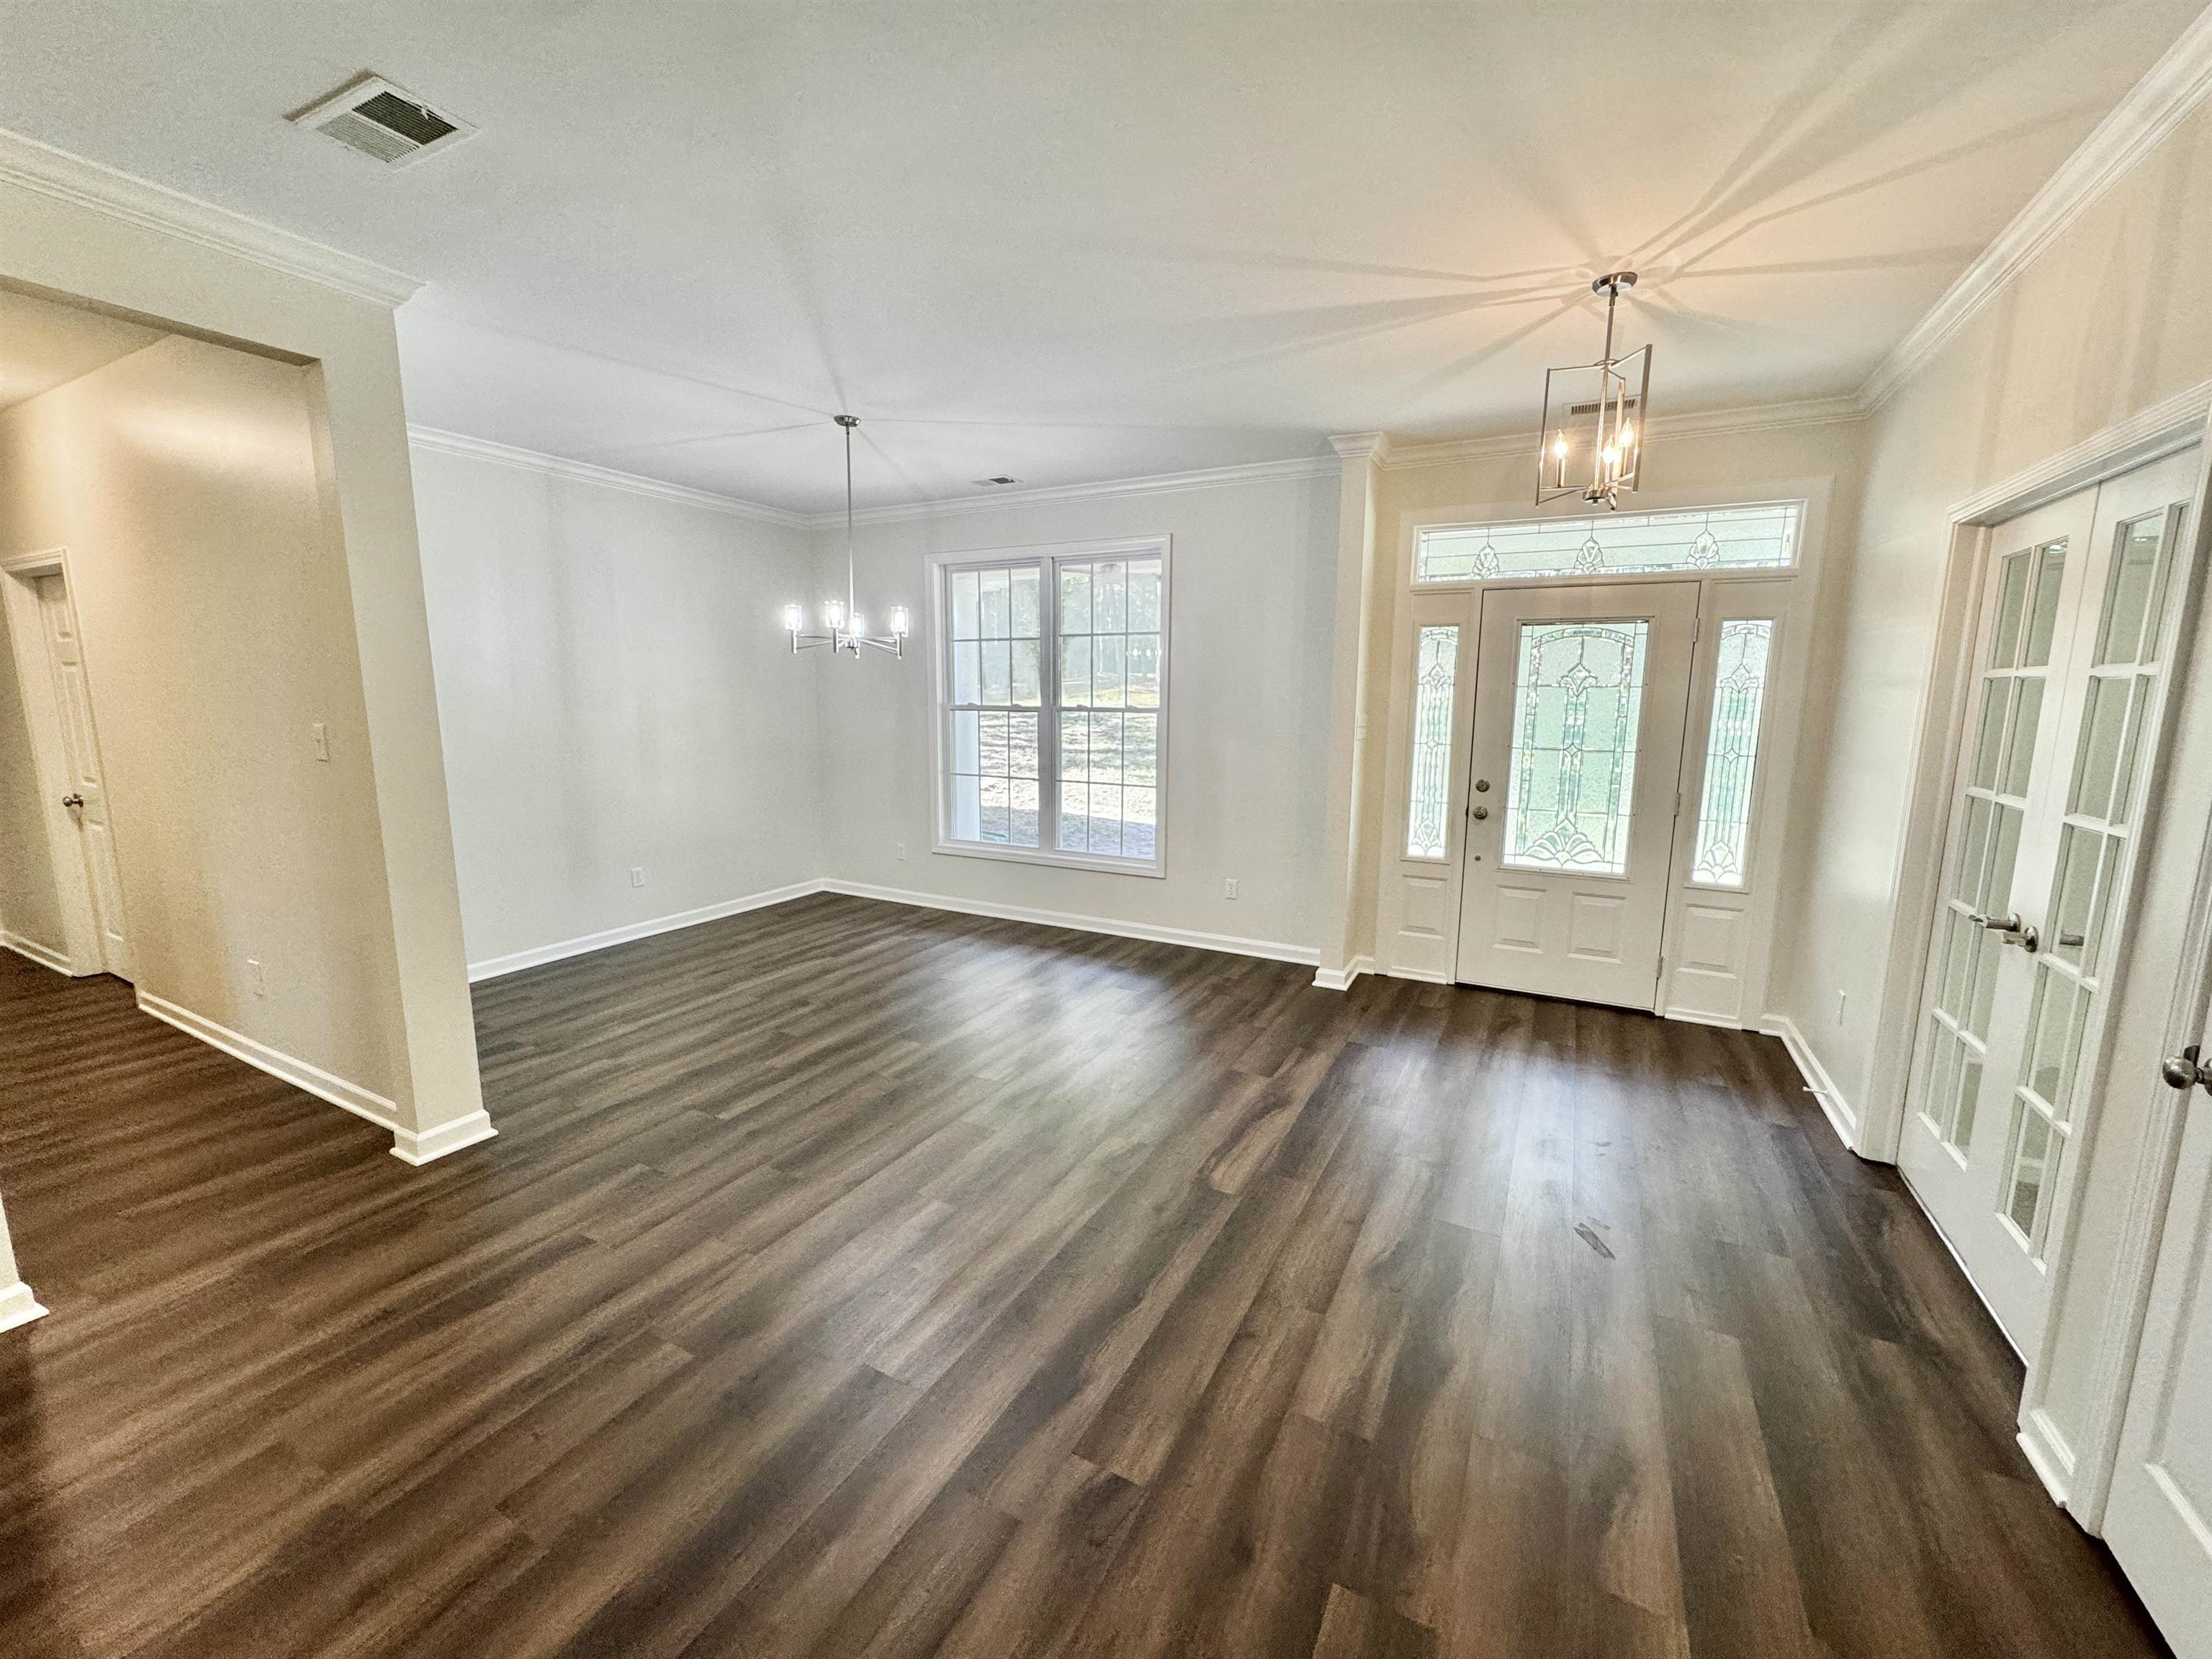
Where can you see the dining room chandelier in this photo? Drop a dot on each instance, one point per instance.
(847, 629)
(1591, 442)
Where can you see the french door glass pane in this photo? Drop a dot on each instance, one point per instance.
(1731, 754)
(1436, 664)
(2128, 630)
(1578, 701)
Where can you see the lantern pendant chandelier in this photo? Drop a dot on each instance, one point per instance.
(1595, 418)
(848, 628)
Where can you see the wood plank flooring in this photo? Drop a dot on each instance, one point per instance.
(849, 1279)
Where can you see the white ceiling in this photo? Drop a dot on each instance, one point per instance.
(43, 345)
(1079, 241)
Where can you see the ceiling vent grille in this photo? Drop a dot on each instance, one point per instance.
(385, 123)
(998, 483)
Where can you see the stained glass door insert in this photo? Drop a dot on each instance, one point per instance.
(1578, 699)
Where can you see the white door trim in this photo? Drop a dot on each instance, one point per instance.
(19, 576)
(2160, 430)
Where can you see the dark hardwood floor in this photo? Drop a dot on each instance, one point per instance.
(851, 1280)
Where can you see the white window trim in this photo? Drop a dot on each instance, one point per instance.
(936, 566)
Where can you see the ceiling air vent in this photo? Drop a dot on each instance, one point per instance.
(998, 483)
(385, 123)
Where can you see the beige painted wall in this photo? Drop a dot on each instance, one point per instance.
(182, 482)
(54, 241)
(30, 904)
(2096, 328)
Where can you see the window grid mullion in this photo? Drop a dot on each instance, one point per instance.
(1048, 707)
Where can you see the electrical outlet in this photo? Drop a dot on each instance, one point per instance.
(902, 852)
(1843, 999)
(636, 875)
(319, 735)
(1229, 887)
(256, 980)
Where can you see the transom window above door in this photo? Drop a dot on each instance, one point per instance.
(1704, 541)
(1053, 704)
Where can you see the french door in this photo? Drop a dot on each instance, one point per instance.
(2074, 647)
(1579, 700)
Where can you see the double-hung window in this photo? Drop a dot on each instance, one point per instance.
(1053, 672)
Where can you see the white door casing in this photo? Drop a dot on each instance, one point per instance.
(2072, 656)
(1567, 870)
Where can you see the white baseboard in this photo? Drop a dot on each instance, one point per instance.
(409, 1148)
(2048, 1454)
(1696, 1017)
(494, 967)
(1842, 1117)
(297, 1073)
(37, 952)
(1419, 975)
(1272, 950)
(1339, 978)
(18, 1306)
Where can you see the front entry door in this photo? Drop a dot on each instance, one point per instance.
(2073, 654)
(1580, 695)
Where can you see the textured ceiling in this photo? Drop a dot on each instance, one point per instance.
(1079, 241)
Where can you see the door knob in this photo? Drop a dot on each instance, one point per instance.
(2185, 1071)
(1482, 786)
(72, 800)
(1479, 812)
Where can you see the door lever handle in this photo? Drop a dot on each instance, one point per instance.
(2016, 931)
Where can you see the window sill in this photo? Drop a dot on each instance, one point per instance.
(1156, 868)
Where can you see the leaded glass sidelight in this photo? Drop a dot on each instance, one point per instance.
(1758, 536)
(1577, 707)
(1436, 668)
(1732, 754)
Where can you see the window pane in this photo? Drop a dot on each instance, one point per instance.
(997, 668)
(1723, 844)
(1436, 665)
(1109, 678)
(967, 671)
(1140, 822)
(1027, 583)
(1027, 688)
(1141, 755)
(2020, 751)
(1578, 699)
(967, 742)
(2031, 1154)
(1075, 599)
(1110, 608)
(965, 624)
(1143, 596)
(1144, 666)
(2128, 630)
(996, 612)
(2051, 573)
(1758, 537)
(1075, 670)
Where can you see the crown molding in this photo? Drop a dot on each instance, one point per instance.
(84, 183)
(1374, 447)
(532, 460)
(2153, 106)
(1705, 424)
(1165, 483)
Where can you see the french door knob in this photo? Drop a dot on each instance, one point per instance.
(2016, 931)
(2184, 1071)
(72, 800)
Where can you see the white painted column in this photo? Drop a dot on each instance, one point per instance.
(17, 1305)
(1346, 944)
